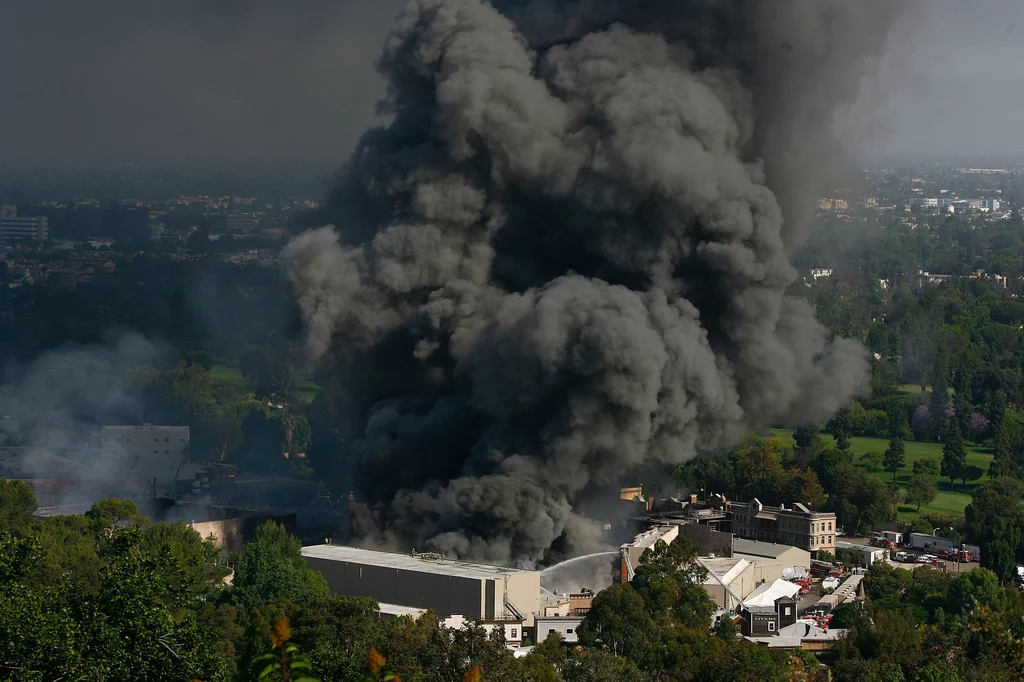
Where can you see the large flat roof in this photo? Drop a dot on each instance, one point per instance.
(761, 549)
(725, 568)
(407, 562)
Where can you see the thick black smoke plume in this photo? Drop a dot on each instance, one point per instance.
(564, 259)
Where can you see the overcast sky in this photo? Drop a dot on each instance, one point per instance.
(960, 89)
(101, 81)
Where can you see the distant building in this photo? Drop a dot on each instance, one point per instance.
(14, 227)
(142, 441)
(819, 273)
(931, 278)
(796, 525)
(233, 223)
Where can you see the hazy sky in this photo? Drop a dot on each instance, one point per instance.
(959, 89)
(100, 81)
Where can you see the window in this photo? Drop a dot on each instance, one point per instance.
(156, 452)
(515, 633)
(786, 611)
(182, 440)
(568, 631)
(167, 452)
(167, 440)
(771, 626)
(156, 440)
(550, 630)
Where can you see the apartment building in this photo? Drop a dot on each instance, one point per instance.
(796, 525)
(15, 227)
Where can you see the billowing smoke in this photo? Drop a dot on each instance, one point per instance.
(564, 260)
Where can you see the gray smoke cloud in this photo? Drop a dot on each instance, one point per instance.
(564, 260)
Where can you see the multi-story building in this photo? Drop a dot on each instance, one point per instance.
(233, 223)
(796, 525)
(15, 227)
(143, 441)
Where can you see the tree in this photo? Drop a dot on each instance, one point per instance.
(895, 456)
(272, 569)
(994, 499)
(17, 503)
(670, 581)
(999, 548)
(841, 426)
(921, 489)
(926, 466)
(860, 499)
(971, 473)
(114, 512)
(804, 436)
(1002, 452)
(619, 621)
(872, 461)
(954, 453)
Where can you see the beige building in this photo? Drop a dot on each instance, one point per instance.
(796, 525)
(732, 579)
(777, 556)
(631, 552)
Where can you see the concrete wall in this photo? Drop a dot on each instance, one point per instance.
(232, 534)
(523, 591)
(709, 541)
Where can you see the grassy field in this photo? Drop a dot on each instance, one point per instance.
(947, 501)
(229, 375)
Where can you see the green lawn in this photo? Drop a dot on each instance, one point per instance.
(229, 375)
(226, 375)
(948, 501)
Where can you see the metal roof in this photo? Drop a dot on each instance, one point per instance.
(761, 549)
(408, 562)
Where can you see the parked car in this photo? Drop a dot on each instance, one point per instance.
(925, 559)
(901, 556)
